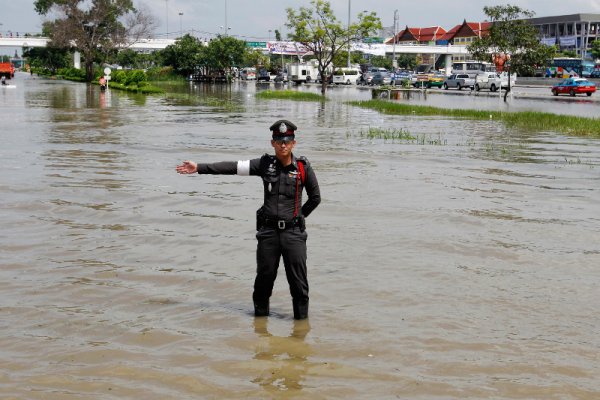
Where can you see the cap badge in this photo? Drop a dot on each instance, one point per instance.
(282, 128)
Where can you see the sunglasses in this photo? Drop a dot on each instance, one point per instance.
(284, 142)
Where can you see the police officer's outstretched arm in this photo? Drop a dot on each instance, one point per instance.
(188, 167)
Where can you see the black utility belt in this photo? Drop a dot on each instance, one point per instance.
(282, 224)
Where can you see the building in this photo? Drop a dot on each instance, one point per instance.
(575, 32)
(463, 34)
(419, 36)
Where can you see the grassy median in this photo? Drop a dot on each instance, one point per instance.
(526, 120)
(289, 95)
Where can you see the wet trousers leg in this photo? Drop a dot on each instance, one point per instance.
(272, 246)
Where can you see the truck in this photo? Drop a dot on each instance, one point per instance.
(459, 81)
(493, 81)
(302, 72)
(7, 69)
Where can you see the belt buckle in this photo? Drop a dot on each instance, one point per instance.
(281, 224)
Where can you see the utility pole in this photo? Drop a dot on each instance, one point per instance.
(394, 62)
(349, 47)
(180, 26)
(167, 15)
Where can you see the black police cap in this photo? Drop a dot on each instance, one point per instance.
(283, 130)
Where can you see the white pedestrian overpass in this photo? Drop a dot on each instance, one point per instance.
(159, 44)
(142, 44)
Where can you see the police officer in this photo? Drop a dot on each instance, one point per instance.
(280, 221)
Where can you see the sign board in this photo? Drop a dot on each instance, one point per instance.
(259, 45)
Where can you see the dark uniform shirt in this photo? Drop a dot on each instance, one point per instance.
(281, 202)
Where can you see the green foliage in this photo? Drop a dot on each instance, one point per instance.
(381, 61)
(72, 74)
(129, 77)
(184, 56)
(161, 74)
(255, 58)
(568, 53)
(318, 29)
(189, 55)
(525, 120)
(595, 49)
(48, 58)
(289, 95)
(95, 28)
(511, 34)
(223, 53)
(407, 61)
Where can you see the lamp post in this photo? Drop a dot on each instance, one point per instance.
(394, 63)
(180, 26)
(226, 26)
(167, 15)
(349, 49)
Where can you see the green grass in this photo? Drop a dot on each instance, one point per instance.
(526, 120)
(290, 95)
(387, 134)
(145, 89)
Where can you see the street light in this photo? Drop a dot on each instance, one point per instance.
(394, 62)
(226, 19)
(180, 28)
(167, 15)
(349, 2)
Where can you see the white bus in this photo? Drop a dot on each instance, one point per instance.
(472, 68)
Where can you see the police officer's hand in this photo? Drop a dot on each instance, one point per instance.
(188, 167)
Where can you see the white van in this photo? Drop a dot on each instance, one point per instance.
(248, 74)
(346, 76)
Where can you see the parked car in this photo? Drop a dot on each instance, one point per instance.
(346, 76)
(488, 80)
(595, 73)
(459, 81)
(573, 86)
(381, 78)
(248, 73)
(281, 76)
(365, 78)
(428, 80)
(263, 75)
(400, 76)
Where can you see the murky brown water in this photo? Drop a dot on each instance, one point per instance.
(462, 266)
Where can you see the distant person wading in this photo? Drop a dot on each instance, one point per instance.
(280, 224)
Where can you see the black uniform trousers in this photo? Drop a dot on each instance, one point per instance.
(273, 244)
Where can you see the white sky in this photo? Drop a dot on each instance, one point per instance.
(252, 19)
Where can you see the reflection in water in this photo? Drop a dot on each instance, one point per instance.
(288, 357)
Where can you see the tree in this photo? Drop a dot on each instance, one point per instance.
(256, 58)
(47, 58)
(96, 28)
(184, 56)
(511, 37)
(223, 53)
(319, 31)
(596, 49)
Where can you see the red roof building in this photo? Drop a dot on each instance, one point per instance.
(418, 35)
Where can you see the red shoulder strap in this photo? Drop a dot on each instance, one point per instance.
(302, 176)
(301, 169)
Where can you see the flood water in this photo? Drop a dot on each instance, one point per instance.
(460, 265)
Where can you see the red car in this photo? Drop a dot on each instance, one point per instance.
(573, 86)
